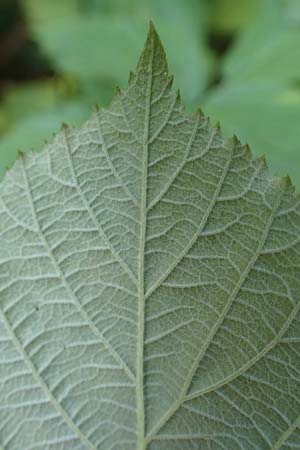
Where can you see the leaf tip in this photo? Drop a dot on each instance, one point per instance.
(152, 31)
(153, 51)
(153, 37)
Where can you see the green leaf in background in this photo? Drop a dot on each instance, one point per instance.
(227, 16)
(149, 285)
(269, 47)
(101, 42)
(93, 44)
(259, 98)
(266, 115)
(45, 106)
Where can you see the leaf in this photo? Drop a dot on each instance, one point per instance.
(259, 97)
(149, 285)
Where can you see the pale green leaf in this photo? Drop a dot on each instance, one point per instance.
(149, 285)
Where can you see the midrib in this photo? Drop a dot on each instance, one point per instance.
(141, 444)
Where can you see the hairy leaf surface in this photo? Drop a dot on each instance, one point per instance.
(149, 285)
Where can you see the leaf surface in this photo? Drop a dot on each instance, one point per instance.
(149, 285)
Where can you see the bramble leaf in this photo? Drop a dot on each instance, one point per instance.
(149, 285)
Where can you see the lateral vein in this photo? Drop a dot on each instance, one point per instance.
(287, 434)
(92, 214)
(112, 167)
(198, 231)
(183, 397)
(69, 421)
(62, 277)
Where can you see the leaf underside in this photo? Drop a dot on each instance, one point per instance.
(149, 285)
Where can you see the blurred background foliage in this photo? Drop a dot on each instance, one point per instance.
(238, 59)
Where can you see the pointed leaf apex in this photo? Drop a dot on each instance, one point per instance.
(153, 37)
(153, 34)
(154, 52)
(152, 29)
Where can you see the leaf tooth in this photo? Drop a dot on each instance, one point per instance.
(64, 127)
(131, 77)
(170, 82)
(218, 126)
(208, 121)
(117, 90)
(247, 150)
(235, 140)
(199, 113)
(288, 183)
(288, 180)
(280, 184)
(262, 160)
